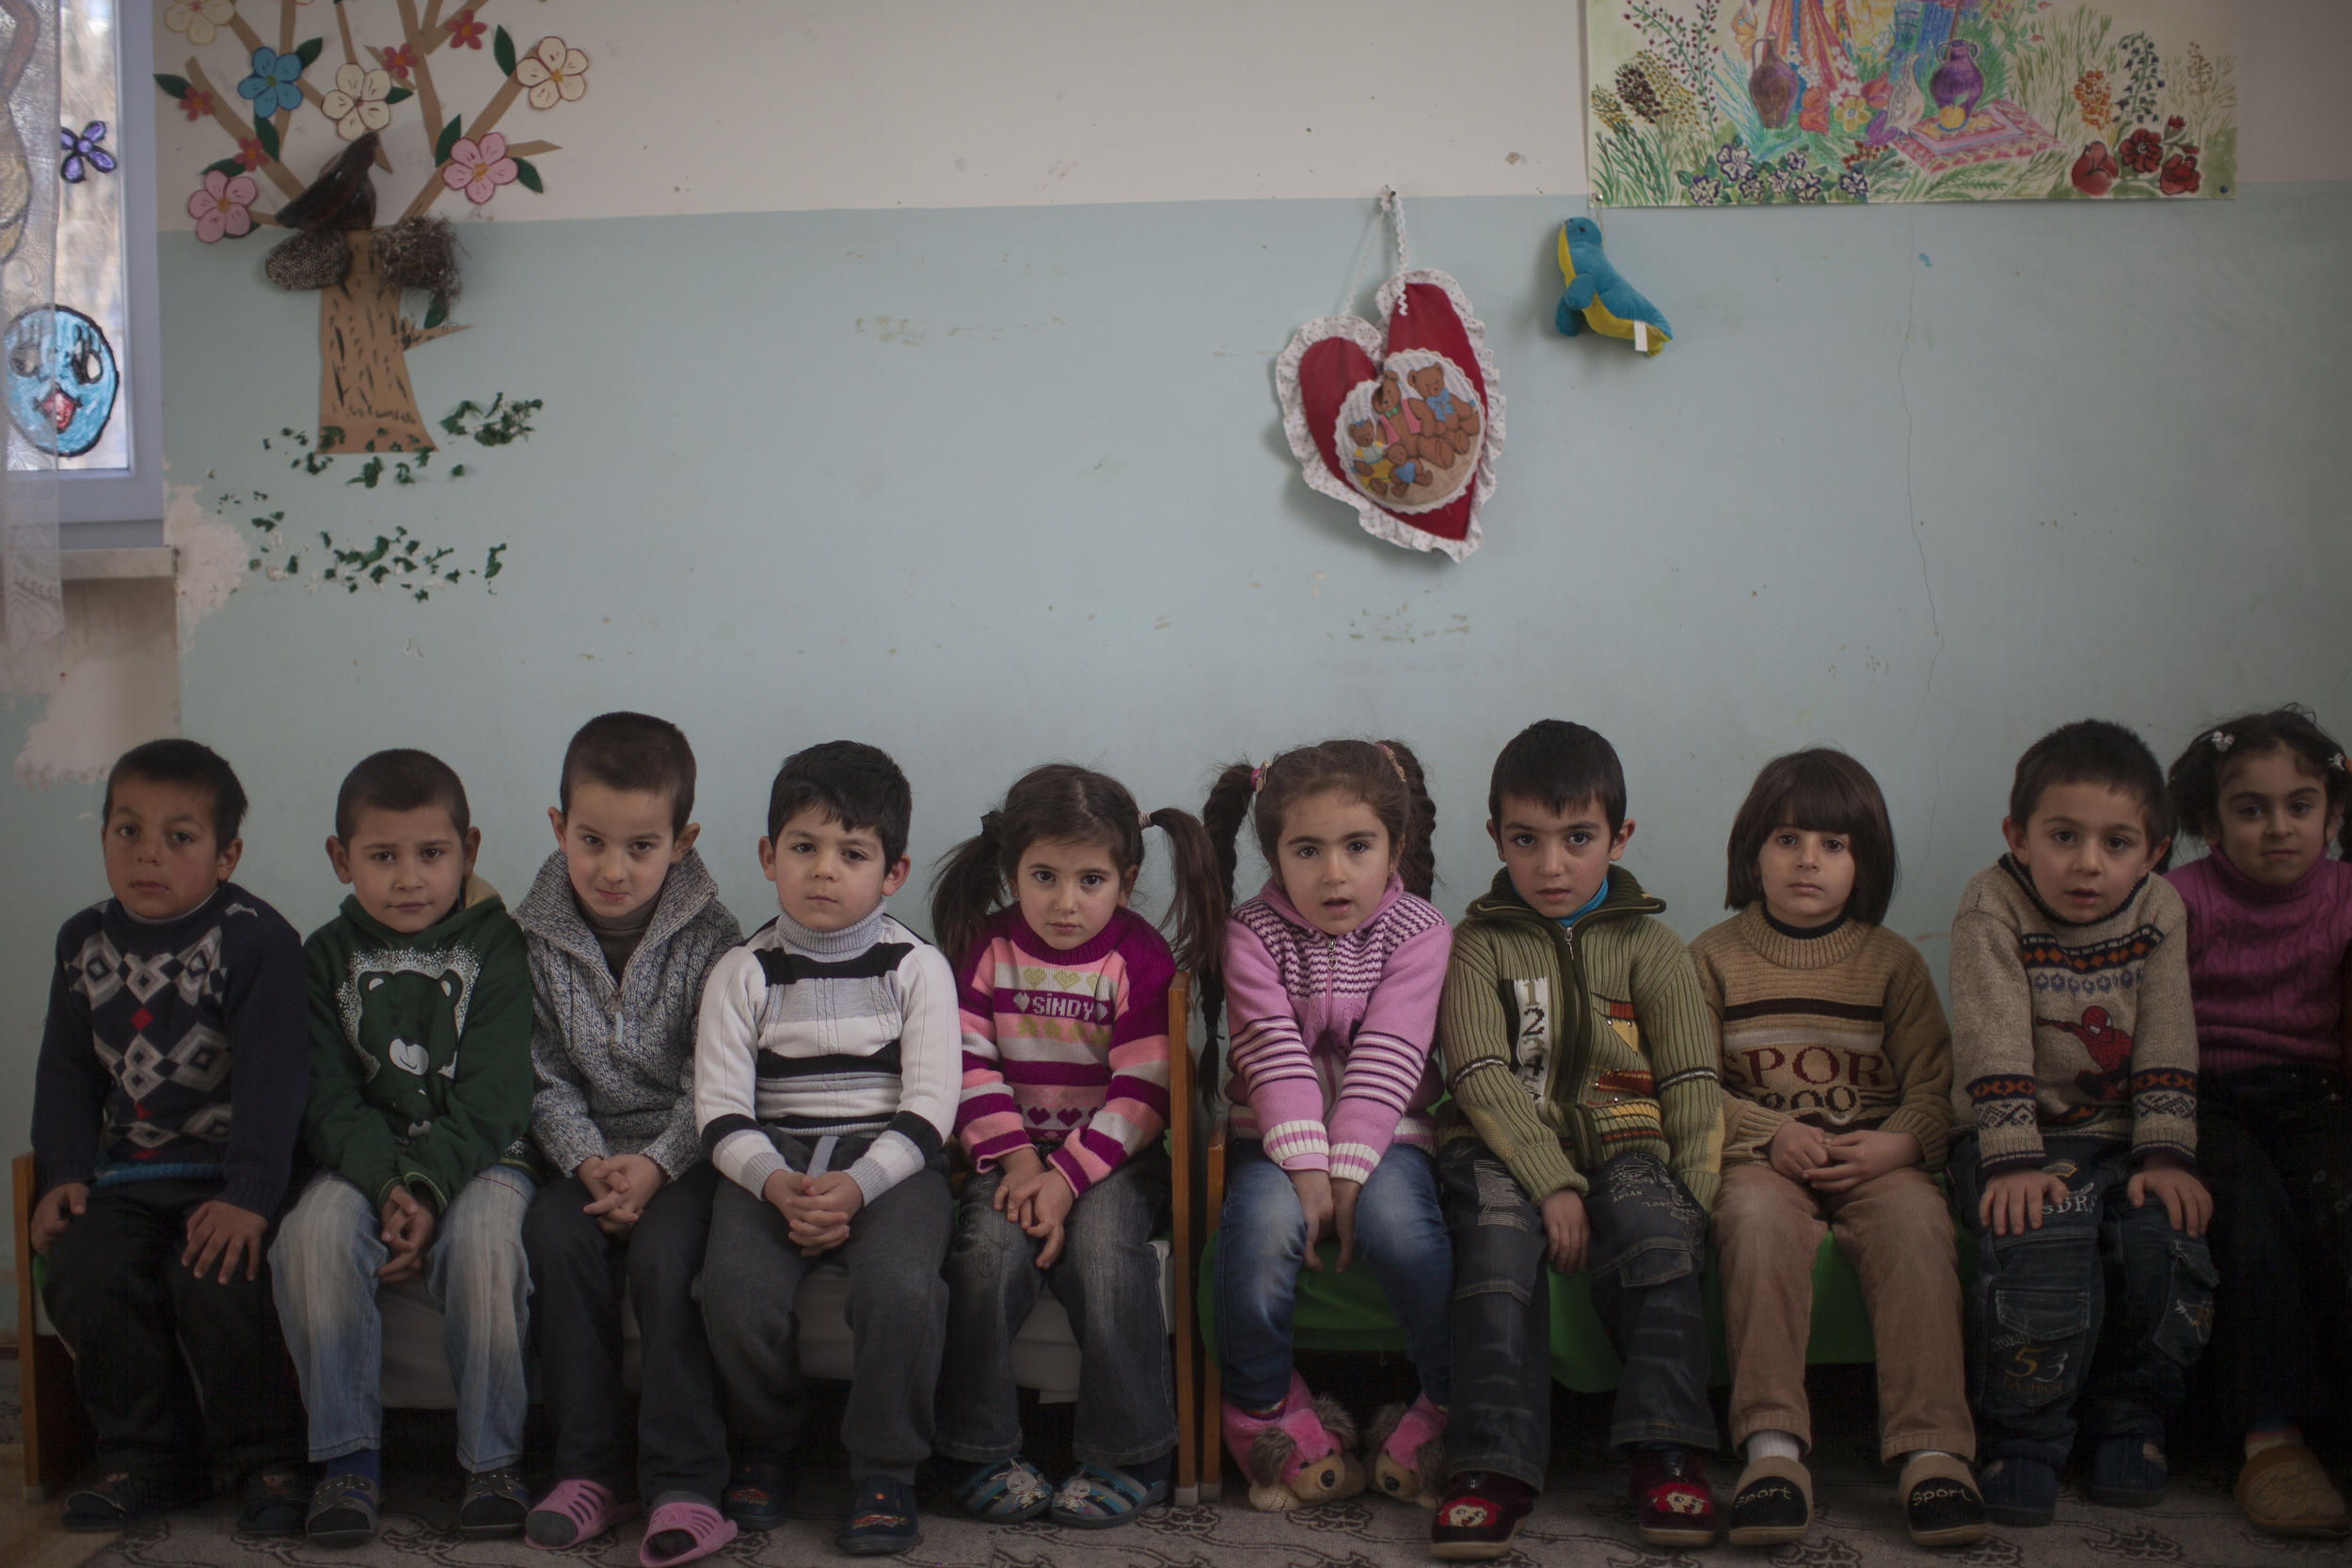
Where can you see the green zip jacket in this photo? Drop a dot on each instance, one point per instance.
(1568, 1046)
(420, 1049)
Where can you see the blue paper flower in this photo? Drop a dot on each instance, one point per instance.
(272, 85)
(82, 153)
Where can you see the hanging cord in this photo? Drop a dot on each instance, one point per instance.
(1392, 207)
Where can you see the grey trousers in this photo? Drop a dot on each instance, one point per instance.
(752, 1274)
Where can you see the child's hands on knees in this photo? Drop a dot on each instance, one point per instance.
(818, 1214)
(223, 1230)
(407, 1231)
(56, 1210)
(629, 1182)
(1863, 1156)
(1798, 1149)
(1566, 1231)
(1314, 1202)
(591, 1174)
(1021, 1169)
(1343, 1196)
(1043, 1210)
(2014, 1200)
(2187, 1203)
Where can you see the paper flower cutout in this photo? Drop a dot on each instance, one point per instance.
(199, 19)
(82, 153)
(272, 85)
(479, 168)
(196, 105)
(552, 71)
(357, 105)
(224, 206)
(399, 60)
(464, 32)
(249, 152)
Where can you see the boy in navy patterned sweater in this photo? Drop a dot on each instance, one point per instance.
(167, 1109)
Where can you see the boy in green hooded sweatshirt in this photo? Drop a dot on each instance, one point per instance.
(421, 1090)
(1585, 1130)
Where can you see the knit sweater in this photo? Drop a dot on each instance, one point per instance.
(1843, 1032)
(615, 1057)
(2266, 965)
(1568, 1046)
(1331, 1035)
(2080, 1028)
(1065, 1050)
(420, 1049)
(174, 1049)
(827, 1034)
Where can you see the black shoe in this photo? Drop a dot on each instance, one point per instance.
(496, 1502)
(881, 1520)
(759, 1494)
(344, 1511)
(122, 1499)
(276, 1502)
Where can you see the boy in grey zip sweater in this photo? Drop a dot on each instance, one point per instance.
(623, 927)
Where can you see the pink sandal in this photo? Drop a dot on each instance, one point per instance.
(1297, 1456)
(708, 1528)
(1408, 1451)
(577, 1512)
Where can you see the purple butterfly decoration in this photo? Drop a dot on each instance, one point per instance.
(82, 153)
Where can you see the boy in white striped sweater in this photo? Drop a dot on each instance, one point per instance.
(827, 1065)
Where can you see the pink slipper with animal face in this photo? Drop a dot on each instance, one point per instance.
(1297, 1456)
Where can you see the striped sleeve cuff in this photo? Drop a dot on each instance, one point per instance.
(748, 1158)
(1354, 1162)
(1298, 1145)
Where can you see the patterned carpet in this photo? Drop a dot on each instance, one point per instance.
(1583, 1519)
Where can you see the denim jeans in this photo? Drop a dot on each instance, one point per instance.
(751, 1276)
(1261, 1245)
(325, 1262)
(139, 1318)
(578, 1275)
(2041, 1298)
(1108, 1280)
(1646, 1255)
(2275, 1146)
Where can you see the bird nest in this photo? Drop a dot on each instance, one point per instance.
(420, 253)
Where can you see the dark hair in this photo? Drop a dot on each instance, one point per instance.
(1561, 765)
(2094, 750)
(1062, 801)
(2199, 773)
(1383, 774)
(1821, 790)
(174, 761)
(851, 782)
(634, 753)
(401, 779)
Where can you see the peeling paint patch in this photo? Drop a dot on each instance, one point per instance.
(212, 556)
(110, 680)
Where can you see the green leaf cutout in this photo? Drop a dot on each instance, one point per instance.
(307, 51)
(265, 133)
(398, 95)
(176, 86)
(503, 47)
(448, 139)
(528, 177)
(230, 167)
(437, 312)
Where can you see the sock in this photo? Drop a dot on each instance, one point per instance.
(1265, 1413)
(2271, 1435)
(1773, 1445)
(359, 1462)
(1152, 1471)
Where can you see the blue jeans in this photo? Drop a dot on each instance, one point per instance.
(1262, 1244)
(2041, 1299)
(1107, 1278)
(325, 1265)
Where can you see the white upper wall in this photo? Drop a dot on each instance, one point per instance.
(735, 106)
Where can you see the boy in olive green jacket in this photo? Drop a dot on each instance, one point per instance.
(1585, 1130)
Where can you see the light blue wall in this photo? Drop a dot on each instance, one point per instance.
(1924, 481)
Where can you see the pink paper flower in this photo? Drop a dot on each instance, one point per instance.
(224, 206)
(464, 32)
(479, 168)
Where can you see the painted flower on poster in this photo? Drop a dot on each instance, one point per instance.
(479, 168)
(224, 206)
(553, 70)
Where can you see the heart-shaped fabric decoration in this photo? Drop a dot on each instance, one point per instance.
(1402, 420)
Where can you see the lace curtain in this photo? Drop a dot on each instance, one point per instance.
(32, 607)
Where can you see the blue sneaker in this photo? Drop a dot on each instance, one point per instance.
(881, 1519)
(760, 1492)
(2021, 1491)
(2127, 1469)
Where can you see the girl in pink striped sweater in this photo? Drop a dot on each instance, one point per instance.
(1332, 977)
(1064, 1002)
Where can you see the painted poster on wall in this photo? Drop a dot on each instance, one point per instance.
(1750, 103)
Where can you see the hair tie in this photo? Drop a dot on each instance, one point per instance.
(1393, 763)
(1143, 819)
(1257, 776)
(2223, 741)
(2336, 761)
(990, 822)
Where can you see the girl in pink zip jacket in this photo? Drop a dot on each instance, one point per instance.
(1331, 978)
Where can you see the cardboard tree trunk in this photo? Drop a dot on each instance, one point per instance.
(365, 401)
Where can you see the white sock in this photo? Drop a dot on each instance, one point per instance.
(1773, 1445)
(1918, 1454)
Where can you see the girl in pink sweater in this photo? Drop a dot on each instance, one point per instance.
(1331, 982)
(2269, 924)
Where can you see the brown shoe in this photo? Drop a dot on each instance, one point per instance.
(1480, 1516)
(2285, 1491)
(1675, 1506)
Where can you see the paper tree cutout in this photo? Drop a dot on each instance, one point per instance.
(365, 400)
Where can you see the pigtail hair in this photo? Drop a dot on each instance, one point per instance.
(1200, 900)
(966, 892)
(1416, 856)
(1221, 816)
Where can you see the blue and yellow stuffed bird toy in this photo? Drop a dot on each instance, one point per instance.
(1607, 304)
